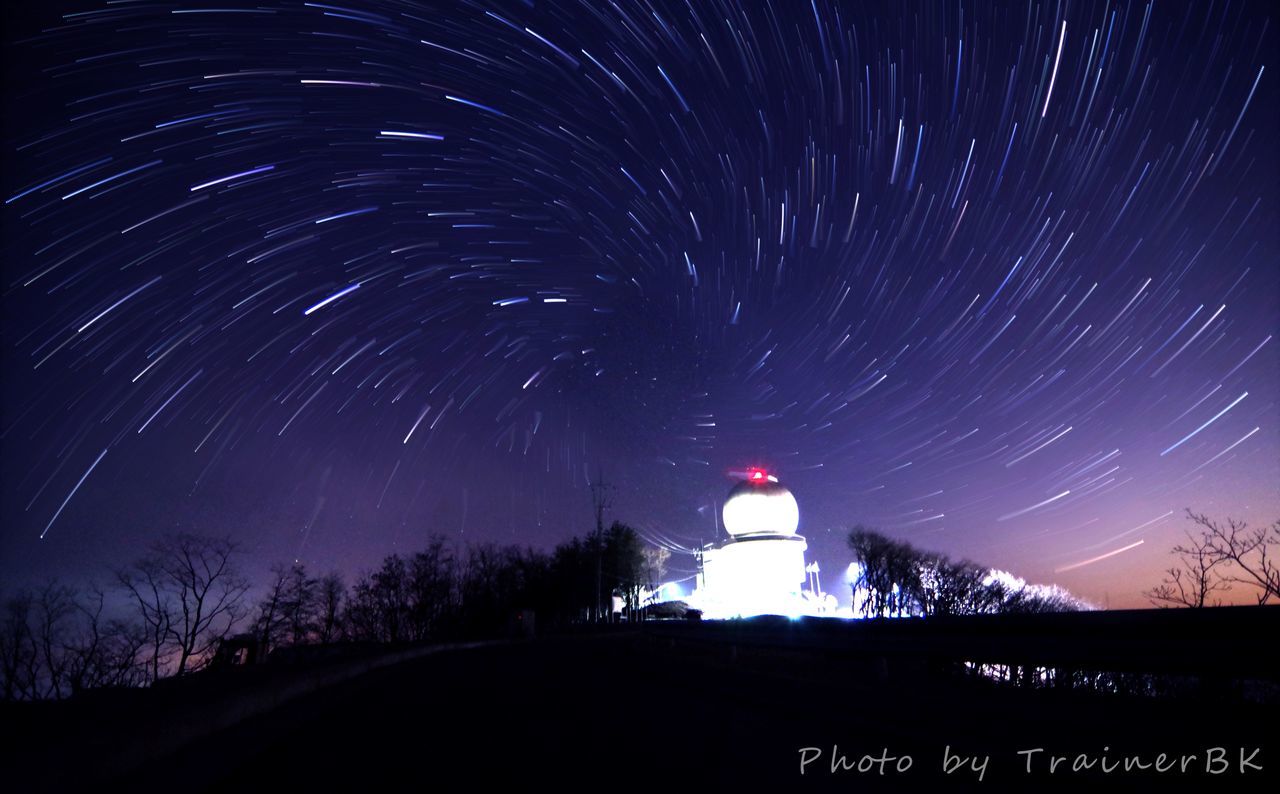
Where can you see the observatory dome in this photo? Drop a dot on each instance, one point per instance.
(760, 506)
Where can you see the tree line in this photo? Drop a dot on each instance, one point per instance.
(167, 613)
(1219, 556)
(895, 579)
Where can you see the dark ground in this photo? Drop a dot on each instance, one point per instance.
(670, 710)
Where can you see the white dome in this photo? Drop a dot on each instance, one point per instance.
(761, 507)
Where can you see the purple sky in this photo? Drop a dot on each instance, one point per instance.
(998, 280)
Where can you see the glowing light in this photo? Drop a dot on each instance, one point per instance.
(761, 570)
(755, 475)
(761, 509)
(754, 577)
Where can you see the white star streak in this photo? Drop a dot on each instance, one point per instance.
(332, 298)
(1026, 510)
(171, 398)
(84, 477)
(1037, 449)
(1057, 58)
(107, 310)
(1130, 531)
(250, 172)
(1215, 418)
(1225, 451)
(1100, 557)
(421, 416)
(426, 136)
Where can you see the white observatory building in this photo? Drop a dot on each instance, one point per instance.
(760, 569)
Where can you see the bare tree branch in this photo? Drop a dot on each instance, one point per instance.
(1190, 584)
(189, 595)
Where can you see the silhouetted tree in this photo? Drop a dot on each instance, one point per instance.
(289, 612)
(1220, 555)
(145, 586)
(301, 603)
(189, 594)
(946, 587)
(889, 573)
(54, 613)
(87, 649)
(105, 652)
(1193, 580)
(18, 654)
(1250, 555)
(573, 565)
(625, 569)
(271, 609)
(329, 597)
(45, 651)
(493, 583)
(432, 585)
(379, 606)
(54, 642)
(655, 559)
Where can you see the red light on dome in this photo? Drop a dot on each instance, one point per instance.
(757, 475)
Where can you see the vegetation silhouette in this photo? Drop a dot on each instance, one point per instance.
(895, 579)
(1218, 555)
(173, 608)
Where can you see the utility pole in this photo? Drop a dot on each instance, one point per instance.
(601, 500)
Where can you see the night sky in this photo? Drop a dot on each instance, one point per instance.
(999, 279)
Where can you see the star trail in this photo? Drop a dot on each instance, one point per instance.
(999, 279)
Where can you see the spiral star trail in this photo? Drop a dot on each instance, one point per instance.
(998, 279)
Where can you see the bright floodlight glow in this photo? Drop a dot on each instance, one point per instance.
(761, 569)
(754, 577)
(767, 509)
